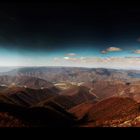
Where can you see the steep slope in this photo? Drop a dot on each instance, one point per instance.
(79, 111)
(71, 97)
(25, 96)
(112, 109)
(50, 116)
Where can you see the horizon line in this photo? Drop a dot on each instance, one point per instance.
(73, 67)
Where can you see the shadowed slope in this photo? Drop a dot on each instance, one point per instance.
(50, 116)
(26, 96)
(71, 97)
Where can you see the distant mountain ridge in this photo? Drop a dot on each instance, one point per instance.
(24, 81)
(36, 97)
(74, 74)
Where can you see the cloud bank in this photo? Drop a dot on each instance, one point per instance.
(98, 62)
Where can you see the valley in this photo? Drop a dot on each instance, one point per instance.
(69, 97)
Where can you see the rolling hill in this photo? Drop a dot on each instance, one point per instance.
(106, 89)
(112, 112)
(71, 97)
(50, 116)
(26, 96)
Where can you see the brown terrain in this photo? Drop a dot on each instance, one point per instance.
(31, 97)
(111, 112)
(24, 81)
(71, 97)
(112, 109)
(7, 120)
(105, 89)
(25, 96)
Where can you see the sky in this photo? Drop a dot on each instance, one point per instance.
(98, 34)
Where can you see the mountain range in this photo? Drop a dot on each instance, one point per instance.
(29, 97)
(74, 74)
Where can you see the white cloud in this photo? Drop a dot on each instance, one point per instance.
(66, 58)
(137, 51)
(108, 62)
(104, 52)
(70, 57)
(56, 59)
(81, 61)
(82, 57)
(71, 54)
(111, 49)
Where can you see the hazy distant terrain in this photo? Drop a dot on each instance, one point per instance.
(6, 69)
(69, 97)
(74, 74)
